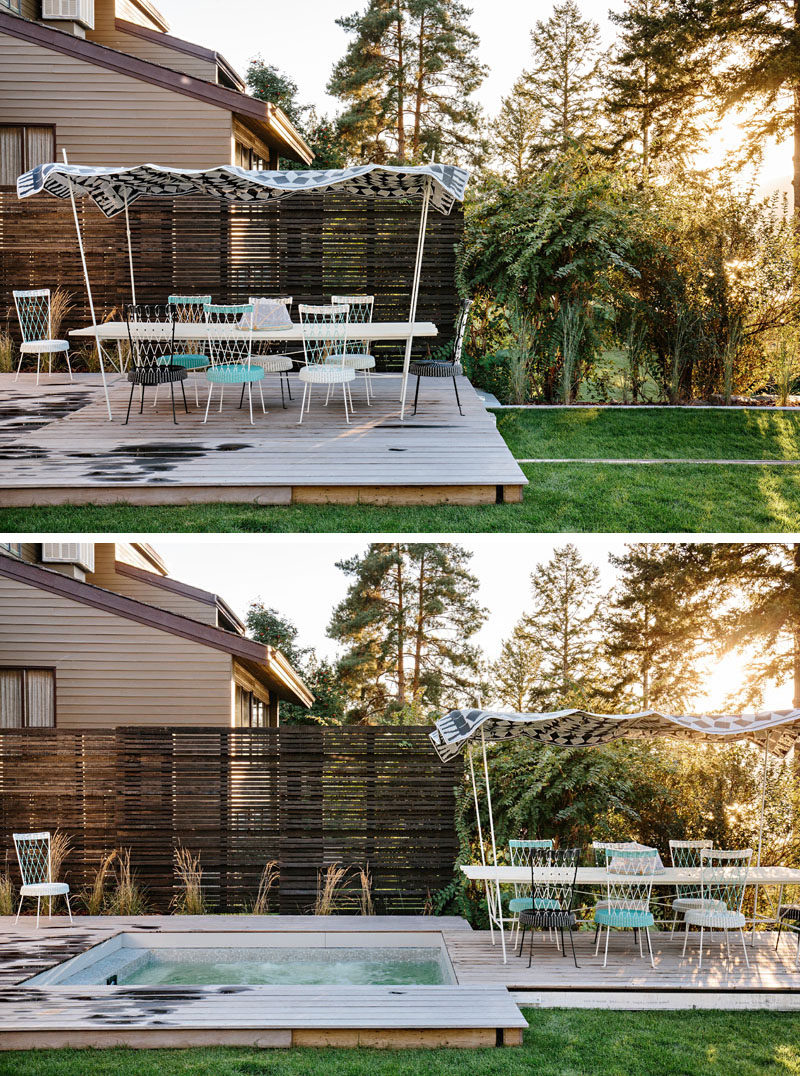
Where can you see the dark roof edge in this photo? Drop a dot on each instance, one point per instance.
(53, 582)
(179, 44)
(207, 597)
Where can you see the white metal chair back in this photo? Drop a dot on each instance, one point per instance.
(325, 332)
(231, 350)
(189, 309)
(151, 332)
(723, 875)
(521, 854)
(461, 330)
(629, 879)
(33, 312)
(287, 300)
(33, 856)
(360, 312)
(687, 854)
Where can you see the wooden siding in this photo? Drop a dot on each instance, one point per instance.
(105, 32)
(105, 575)
(111, 671)
(130, 10)
(30, 9)
(102, 116)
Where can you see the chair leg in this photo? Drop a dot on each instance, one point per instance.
(649, 947)
(38, 909)
(700, 961)
(605, 956)
(172, 398)
(250, 399)
(744, 949)
(241, 399)
(563, 947)
(328, 394)
(283, 398)
(572, 943)
(455, 386)
(639, 936)
(38, 367)
(196, 380)
(685, 940)
(221, 396)
(208, 404)
(19, 365)
(130, 401)
(183, 391)
(597, 934)
(530, 949)
(416, 395)
(69, 365)
(261, 394)
(69, 910)
(141, 402)
(19, 909)
(344, 394)
(522, 940)
(288, 385)
(303, 404)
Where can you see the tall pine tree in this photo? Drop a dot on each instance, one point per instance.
(406, 624)
(517, 132)
(563, 80)
(515, 674)
(406, 79)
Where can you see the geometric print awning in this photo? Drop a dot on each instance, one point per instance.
(112, 188)
(582, 728)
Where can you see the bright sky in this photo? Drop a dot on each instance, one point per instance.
(303, 40)
(297, 576)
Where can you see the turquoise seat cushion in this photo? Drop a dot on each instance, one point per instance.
(520, 904)
(622, 917)
(189, 362)
(234, 374)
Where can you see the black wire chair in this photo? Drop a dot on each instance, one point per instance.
(553, 876)
(445, 367)
(151, 333)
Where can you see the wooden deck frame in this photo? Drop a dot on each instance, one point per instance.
(57, 447)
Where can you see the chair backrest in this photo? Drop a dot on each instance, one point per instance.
(360, 313)
(629, 877)
(324, 332)
(33, 312)
(553, 874)
(237, 349)
(189, 308)
(151, 332)
(287, 300)
(723, 875)
(33, 856)
(687, 854)
(520, 850)
(461, 329)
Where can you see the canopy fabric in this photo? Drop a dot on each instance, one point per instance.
(582, 728)
(112, 188)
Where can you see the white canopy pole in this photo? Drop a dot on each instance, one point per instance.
(89, 293)
(480, 836)
(498, 900)
(761, 825)
(130, 252)
(412, 316)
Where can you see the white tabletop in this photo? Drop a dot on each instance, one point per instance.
(597, 875)
(374, 330)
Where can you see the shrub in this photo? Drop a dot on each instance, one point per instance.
(190, 899)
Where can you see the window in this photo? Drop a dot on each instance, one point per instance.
(251, 712)
(27, 698)
(12, 5)
(244, 157)
(22, 148)
(14, 548)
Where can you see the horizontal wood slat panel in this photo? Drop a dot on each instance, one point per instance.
(376, 798)
(309, 247)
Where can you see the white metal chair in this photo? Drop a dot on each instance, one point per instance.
(451, 367)
(33, 856)
(359, 313)
(33, 312)
(520, 854)
(687, 854)
(280, 364)
(723, 876)
(629, 882)
(189, 310)
(231, 355)
(324, 331)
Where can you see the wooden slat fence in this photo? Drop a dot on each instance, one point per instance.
(373, 798)
(309, 248)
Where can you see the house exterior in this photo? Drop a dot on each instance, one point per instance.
(105, 81)
(98, 635)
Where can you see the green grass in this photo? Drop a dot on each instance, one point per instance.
(559, 1042)
(561, 497)
(658, 433)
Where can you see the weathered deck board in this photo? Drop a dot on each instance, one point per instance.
(56, 443)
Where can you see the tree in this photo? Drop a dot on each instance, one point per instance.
(517, 131)
(655, 629)
(652, 92)
(406, 622)
(407, 78)
(563, 79)
(268, 83)
(515, 673)
(271, 628)
(564, 623)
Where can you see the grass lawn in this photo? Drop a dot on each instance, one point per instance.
(559, 1042)
(561, 497)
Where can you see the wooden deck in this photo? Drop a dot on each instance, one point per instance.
(58, 447)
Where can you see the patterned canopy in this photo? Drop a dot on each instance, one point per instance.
(112, 188)
(582, 728)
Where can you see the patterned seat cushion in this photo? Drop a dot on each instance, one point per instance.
(685, 904)
(44, 889)
(234, 374)
(434, 368)
(190, 362)
(274, 364)
(545, 918)
(520, 904)
(623, 917)
(324, 374)
(356, 360)
(715, 918)
(790, 913)
(156, 375)
(43, 347)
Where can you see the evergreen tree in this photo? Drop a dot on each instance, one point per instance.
(652, 92)
(406, 79)
(564, 622)
(517, 131)
(271, 628)
(267, 83)
(515, 674)
(656, 628)
(563, 81)
(406, 623)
